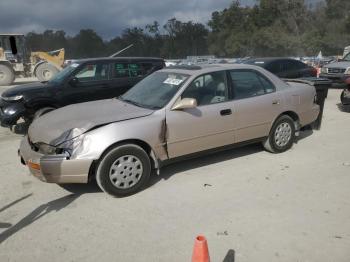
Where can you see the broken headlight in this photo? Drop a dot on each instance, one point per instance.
(45, 149)
(69, 146)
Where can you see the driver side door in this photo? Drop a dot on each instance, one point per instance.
(207, 126)
(90, 82)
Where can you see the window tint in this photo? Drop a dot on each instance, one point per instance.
(247, 84)
(93, 72)
(347, 57)
(122, 70)
(292, 65)
(208, 89)
(135, 70)
(268, 86)
(274, 67)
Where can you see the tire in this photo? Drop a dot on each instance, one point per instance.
(344, 101)
(282, 135)
(45, 71)
(42, 111)
(124, 170)
(7, 76)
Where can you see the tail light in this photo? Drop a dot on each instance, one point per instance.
(347, 81)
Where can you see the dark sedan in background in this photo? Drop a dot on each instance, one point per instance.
(284, 67)
(82, 81)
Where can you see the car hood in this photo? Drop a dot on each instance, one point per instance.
(338, 65)
(71, 121)
(22, 89)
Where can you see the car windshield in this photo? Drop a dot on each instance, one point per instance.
(156, 90)
(60, 76)
(347, 57)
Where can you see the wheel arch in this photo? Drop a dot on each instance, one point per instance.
(293, 115)
(144, 145)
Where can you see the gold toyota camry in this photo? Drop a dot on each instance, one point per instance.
(172, 113)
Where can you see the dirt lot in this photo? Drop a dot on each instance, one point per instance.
(288, 207)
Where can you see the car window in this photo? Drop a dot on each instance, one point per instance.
(135, 70)
(208, 89)
(268, 86)
(347, 57)
(122, 70)
(156, 90)
(274, 67)
(246, 84)
(93, 72)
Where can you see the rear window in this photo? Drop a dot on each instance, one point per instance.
(122, 70)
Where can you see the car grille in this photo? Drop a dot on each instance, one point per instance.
(336, 70)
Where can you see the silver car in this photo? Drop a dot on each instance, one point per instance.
(174, 112)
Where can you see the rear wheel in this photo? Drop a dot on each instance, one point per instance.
(124, 170)
(282, 135)
(343, 99)
(7, 76)
(45, 71)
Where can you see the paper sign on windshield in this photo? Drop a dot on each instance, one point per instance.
(173, 81)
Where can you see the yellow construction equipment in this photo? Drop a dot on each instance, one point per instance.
(15, 61)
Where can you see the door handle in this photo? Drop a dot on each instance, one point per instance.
(275, 102)
(225, 112)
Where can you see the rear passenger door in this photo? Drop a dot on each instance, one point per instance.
(256, 104)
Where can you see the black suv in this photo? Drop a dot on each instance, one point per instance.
(284, 67)
(81, 81)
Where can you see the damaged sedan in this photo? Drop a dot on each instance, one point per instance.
(172, 113)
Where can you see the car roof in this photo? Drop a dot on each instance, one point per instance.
(269, 59)
(155, 59)
(202, 69)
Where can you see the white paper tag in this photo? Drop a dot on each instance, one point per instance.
(173, 81)
(74, 65)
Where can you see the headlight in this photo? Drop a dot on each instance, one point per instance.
(9, 111)
(46, 149)
(324, 70)
(69, 146)
(12, 98)
(347, 72)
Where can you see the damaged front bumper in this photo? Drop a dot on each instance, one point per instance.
(54, 168)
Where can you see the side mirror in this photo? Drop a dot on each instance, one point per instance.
(185, 103)
(74, 81)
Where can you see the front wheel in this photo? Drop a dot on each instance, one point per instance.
(344, 97)
(282, 135)
(124, 170)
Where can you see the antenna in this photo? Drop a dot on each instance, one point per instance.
(121, 51)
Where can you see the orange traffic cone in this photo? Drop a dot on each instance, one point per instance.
(200, 250)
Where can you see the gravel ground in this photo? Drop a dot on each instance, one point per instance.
(293, 206)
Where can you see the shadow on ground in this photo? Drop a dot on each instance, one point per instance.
(39, 212)
(343, 108)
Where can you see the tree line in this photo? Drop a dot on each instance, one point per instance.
(269, 28)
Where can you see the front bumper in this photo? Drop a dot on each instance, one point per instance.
(336, 78)
(54, 168)
(6, 119)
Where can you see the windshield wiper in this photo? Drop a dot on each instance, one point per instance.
(137, 104)
(130, 101)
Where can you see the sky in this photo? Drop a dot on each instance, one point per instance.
(107, 17)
